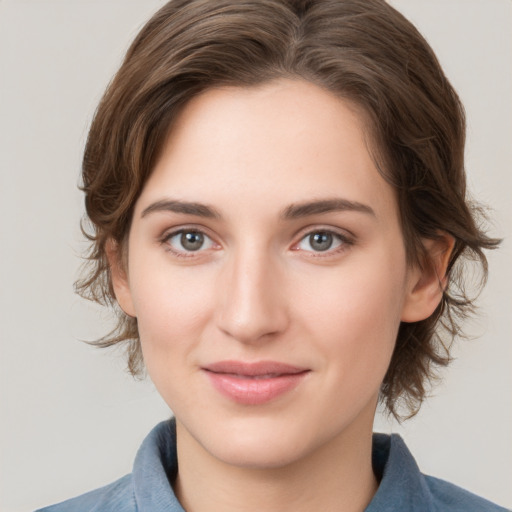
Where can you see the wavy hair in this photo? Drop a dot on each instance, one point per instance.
(363, 51)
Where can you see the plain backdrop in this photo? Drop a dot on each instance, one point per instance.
(71, 418)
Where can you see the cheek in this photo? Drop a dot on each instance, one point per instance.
(354, 312)
(172, 307)
(171, 318)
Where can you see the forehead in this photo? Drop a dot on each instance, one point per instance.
(283, 142)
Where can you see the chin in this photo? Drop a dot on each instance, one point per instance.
(263, 443)
(259, 454)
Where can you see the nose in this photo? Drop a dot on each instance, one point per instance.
(252, 302)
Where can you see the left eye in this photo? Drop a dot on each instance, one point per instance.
(189, 241)
(320, 241)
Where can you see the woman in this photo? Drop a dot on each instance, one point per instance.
(278, 204)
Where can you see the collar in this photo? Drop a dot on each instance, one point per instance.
(402, 486)
(155, 466)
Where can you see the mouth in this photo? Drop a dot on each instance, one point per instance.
(254, 383)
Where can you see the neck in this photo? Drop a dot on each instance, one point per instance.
(338, 476)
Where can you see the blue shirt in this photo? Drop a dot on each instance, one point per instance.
(402, 487)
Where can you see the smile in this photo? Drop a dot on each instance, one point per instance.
(254, 383)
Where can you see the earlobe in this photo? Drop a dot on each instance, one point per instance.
(426, 284)
(118, 273)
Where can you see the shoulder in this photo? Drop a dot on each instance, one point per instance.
(403, 486)
(147, 487)
(449, 497)
(115, 497)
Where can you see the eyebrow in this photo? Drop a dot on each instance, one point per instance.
(293, 211)
(188, 208)
(298, 210)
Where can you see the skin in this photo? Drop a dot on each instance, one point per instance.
(258, 289)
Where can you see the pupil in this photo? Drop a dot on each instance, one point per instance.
(192, 241)
(320, 241)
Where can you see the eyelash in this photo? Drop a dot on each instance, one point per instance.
(344, 242)
(166, 241)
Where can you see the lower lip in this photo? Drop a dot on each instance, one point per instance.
(254, 391)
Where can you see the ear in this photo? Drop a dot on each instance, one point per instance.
(118, 268)
(425, 285)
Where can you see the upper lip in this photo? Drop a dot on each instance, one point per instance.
(252, 369)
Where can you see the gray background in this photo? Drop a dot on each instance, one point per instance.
(71, 418)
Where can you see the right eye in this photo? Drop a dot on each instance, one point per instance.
(188, 241)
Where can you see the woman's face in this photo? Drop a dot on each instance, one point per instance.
(267, 272)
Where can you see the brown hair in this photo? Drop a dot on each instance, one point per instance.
(361, 50)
